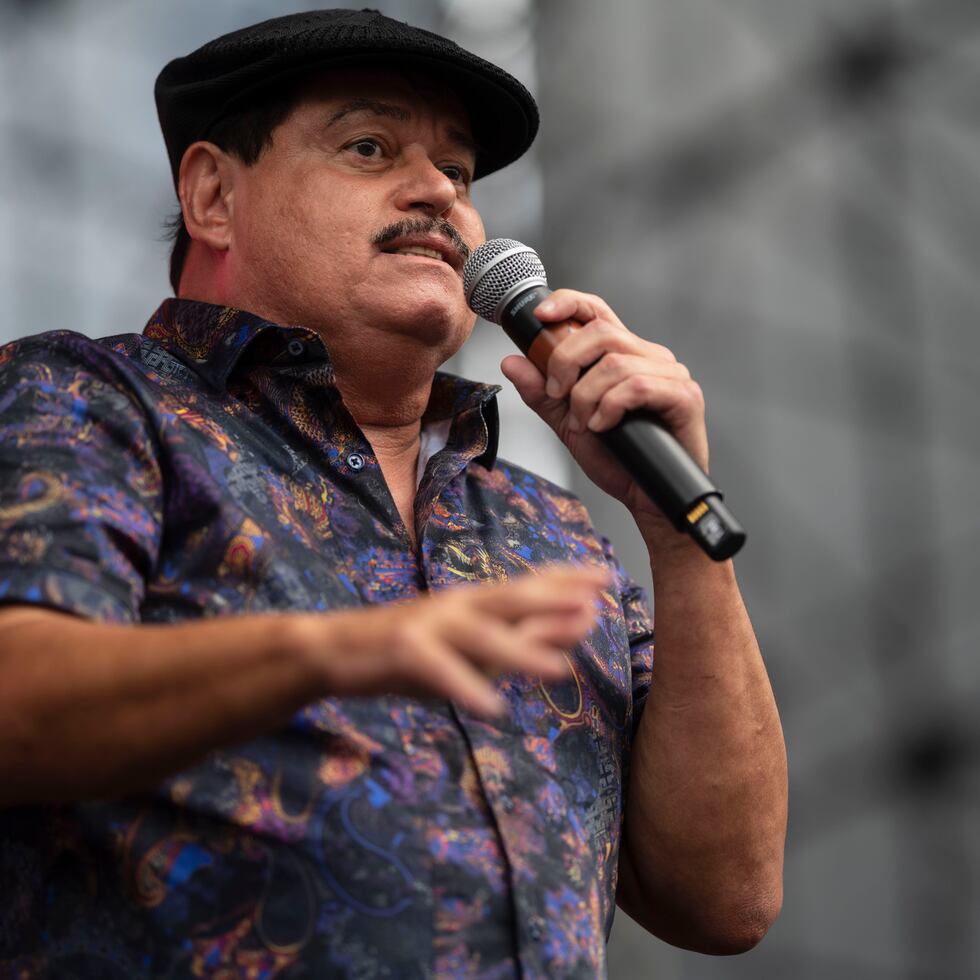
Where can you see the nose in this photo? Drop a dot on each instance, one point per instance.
(424, 187)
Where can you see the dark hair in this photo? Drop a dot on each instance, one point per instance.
(244, 133)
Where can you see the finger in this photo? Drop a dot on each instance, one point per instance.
(558, 589)
(436, 668)
(497, 648)
(610, 371)
(529, 382)
(570, 571)
(678, 402)
(527, 379)
(580, 348)
(558, 630)
(569, 304)
(588, 347)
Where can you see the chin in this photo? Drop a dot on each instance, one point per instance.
(433, 321)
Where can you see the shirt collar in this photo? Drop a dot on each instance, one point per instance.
(211, 340)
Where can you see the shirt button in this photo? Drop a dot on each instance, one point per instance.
(355, 461)
(507, 804)
(535, 930)
(296, 348)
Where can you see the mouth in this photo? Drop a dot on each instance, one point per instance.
(427, 247)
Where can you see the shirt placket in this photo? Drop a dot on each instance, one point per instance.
(497, 806)
(517, 824)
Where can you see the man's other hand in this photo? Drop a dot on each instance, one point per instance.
(452, 643)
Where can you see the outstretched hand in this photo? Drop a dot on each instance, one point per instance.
(451, 644)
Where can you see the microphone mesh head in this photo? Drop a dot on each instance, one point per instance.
(490, 273)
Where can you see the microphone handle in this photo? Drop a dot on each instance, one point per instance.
(640, 442)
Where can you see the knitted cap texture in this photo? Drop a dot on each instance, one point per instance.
(194, 92)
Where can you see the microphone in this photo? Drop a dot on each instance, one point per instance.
(504, 282)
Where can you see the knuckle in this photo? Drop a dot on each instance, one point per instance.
(402, 658)
(421, 663)
(421, 624)
(461, 599)
(611, 403)
(665, 353)
(405, 640)
(642, 384)
(616, 361)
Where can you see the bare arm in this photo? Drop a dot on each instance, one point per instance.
(701, 864)
(90, 710)
(706, 815)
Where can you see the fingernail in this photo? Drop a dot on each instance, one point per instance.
(574, 424)
(546, 307)
(553, 388)
(594, 421)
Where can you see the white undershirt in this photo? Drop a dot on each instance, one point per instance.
(432, 438)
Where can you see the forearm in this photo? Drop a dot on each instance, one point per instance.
(706, 815)
(90, 710)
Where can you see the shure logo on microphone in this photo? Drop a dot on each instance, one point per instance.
(531, 295)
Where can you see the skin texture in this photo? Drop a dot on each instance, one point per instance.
(294, 238)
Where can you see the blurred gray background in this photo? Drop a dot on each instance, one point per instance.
(785, 192)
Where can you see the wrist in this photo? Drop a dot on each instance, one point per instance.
(674, 553)
(658, 533)
(302, 639)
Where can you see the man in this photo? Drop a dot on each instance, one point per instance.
(290, 687)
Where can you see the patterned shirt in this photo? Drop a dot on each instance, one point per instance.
(206, 468)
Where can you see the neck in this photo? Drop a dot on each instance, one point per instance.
(384, 375)
(396, 447)
(386, 390)
(386, 385)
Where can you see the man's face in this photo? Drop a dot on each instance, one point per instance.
(359, 214)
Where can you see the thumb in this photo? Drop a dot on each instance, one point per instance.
(527, 379)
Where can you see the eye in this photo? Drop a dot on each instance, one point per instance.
(456, 174)
(368, 148)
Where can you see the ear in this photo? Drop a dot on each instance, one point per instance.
(205, 187)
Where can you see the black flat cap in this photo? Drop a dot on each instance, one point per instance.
(194, 92)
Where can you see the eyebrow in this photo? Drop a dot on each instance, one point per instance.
(392, 111)
(375, 106)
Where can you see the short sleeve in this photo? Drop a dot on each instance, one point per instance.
(80, 484)
(639, 630)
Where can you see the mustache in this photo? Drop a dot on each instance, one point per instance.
(423, 226)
